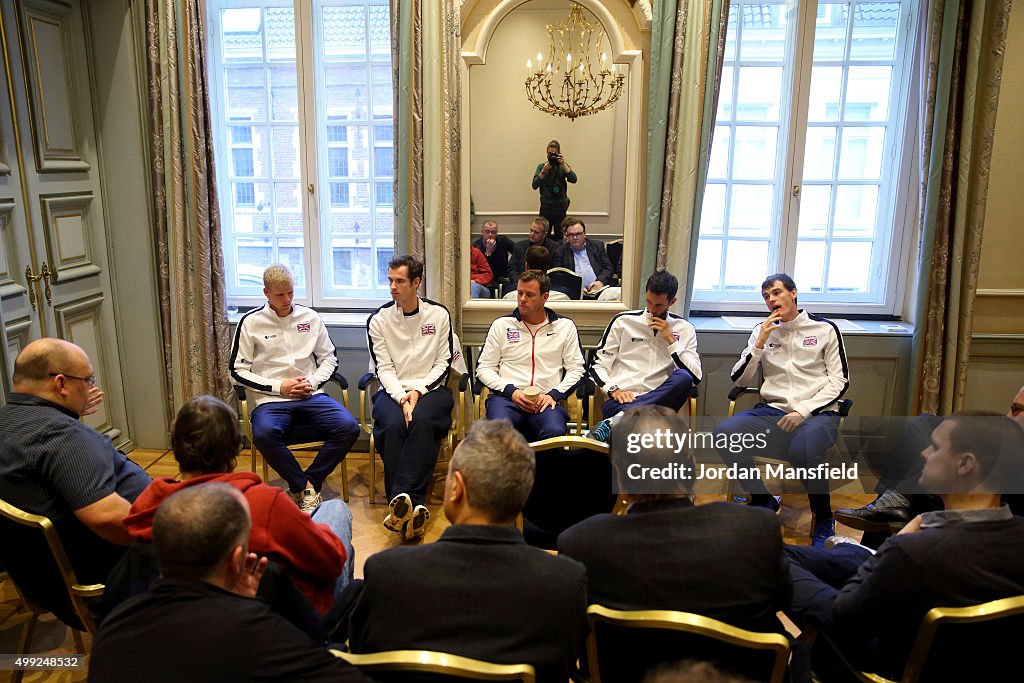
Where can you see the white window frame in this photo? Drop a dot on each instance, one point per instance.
(313, 155)
(897, 176)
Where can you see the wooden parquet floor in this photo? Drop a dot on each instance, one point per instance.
(368, 537)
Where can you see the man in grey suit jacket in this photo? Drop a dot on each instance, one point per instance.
(479, 591)
(585, 256)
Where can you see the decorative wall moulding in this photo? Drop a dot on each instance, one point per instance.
(69, 235)
(49, 59)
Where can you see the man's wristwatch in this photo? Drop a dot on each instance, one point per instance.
(612, 389)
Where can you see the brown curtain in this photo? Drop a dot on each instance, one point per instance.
(190, 265)
(962, 43)
(425, 61)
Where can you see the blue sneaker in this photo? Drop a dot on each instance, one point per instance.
(602, 432)
(823, 530)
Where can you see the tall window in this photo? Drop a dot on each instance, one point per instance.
(805, 163)
(301, 96)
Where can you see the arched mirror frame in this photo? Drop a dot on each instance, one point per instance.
(628, 31)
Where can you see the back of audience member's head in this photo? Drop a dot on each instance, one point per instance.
(648, 420)
(196, 530)
(538, 257)
(997, 443)
(206, 438)
(538, 276)
(497, 466)
(663, 282)
(42, 357)
(691, 671)
(277, 274)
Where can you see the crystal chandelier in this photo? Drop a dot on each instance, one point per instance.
(567, 84)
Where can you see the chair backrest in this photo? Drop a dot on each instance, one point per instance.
(567, 281)
(624, 645)
(423, 665)
(567, 463)
(34, 556)
(967, 643)
(614, 249)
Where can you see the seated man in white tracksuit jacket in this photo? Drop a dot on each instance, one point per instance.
(282, 355)
(411, 349)
(532, 347)
(646, 357)
(805, 372)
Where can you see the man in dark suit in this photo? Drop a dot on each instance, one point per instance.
(539, 229)
(585, 256)
(970, 552)
(479, 591)
(720, 559)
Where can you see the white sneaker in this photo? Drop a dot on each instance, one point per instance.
(401, 512)
(417, 524)
(310, 501)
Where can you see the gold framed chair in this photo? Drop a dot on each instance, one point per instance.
(982, 647)
(300, 437)
(845, 405)
(567, 281)
(51, 572)
(368, 386)
(426, 661)
(773, 648)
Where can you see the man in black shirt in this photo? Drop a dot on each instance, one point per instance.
(200, 621)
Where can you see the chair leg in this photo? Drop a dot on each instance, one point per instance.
(23, 643)
(373, 472)
(344, 479)
(252, 450)
(77, 635)
(266, 470)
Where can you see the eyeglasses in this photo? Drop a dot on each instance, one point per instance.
(1016, 409)
(90, 380)
(575, 234)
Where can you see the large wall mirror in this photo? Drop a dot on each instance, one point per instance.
(505, 138)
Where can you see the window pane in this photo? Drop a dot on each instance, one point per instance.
(337, 162)
(750, 210)
(814, 205)
(759, 95)
(754, 153)
(820, 154)
(712, 213)
(280, 34)
(380, 34)
(287, 208)
(384, 133)
(763, 33)
(867, 93)
(746, 264)
(383, 162)
(344, 33)
(730, 35)
(718, 164)
(725, 96)
(830, 31)
(346, 91)
(810, 265)
(291, 253)
(856, 207)
(826, 83)
(354, 217)
(286, 151)
(284, 96)
(246, 94)
(707, 273)
(849, 267)
(385, 194)
(241, 36)
(861, 155)
(874, 31)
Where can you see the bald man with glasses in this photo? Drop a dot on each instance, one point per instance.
(53, 464)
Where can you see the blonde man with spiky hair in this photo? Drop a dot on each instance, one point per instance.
(283, 356)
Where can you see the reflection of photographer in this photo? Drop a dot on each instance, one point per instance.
(551, 179)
